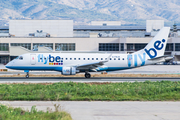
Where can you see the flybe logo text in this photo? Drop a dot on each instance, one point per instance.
(158, 45)
(50, 59)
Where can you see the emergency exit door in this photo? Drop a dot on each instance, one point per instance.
(33, 59)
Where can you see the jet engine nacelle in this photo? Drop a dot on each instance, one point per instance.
(68, 70)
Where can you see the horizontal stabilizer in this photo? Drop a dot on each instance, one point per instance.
(166, 57)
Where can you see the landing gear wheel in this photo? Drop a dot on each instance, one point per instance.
(87, 75)
(27, 76)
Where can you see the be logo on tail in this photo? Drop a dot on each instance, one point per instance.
(158, 45)
(152, 52)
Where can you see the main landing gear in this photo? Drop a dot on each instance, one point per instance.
(87, 75)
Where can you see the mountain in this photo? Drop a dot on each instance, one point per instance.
(84, 11)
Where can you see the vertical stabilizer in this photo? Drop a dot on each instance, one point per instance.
(156, 47)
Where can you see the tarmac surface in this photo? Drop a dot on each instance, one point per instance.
(149, 69)
(80, 79)
(97, 110)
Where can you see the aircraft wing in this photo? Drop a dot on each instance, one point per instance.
(93, 65)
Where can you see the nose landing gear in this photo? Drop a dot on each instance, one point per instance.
(87, 75)
(27, 73)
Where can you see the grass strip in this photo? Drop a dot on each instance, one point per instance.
(9, 113)
(126, 91)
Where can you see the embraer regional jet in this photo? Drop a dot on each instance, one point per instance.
(73, 63)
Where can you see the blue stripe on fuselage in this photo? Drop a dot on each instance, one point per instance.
(59, 68)
(35, 68)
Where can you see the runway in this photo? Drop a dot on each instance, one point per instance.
(81, 79)
(108, 110)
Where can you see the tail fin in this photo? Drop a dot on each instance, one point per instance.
(156, 47)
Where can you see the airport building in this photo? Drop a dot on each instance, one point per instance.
(25, 36)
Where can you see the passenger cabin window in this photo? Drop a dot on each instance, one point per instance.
(70, 58)
(92, 58)
(118, 58)
(96, 58)
(21, 57)
(123, 59)
(114, 58)
(101, 58)
(74, 58)
(110, 59)
(79, 59)
(88, 59)
(66, 58)
(84, 59)
(105, 58)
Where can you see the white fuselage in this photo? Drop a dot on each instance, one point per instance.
(56, 61)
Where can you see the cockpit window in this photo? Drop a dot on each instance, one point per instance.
(17, 57)
(21, 57)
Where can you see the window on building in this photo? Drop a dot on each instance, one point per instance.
(4, 47)
(169, 47)
(65, 46)
(108, 46)
(25, 45)
(4, 59)
(35, 45)
(122, 46)
(13, 57)
(129, 47)
(177, 46)
(140, 46)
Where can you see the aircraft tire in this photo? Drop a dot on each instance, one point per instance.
(27, 76)
(87, 75)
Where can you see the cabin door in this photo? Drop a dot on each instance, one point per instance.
(33, 59)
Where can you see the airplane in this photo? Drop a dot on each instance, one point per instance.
(73, 63)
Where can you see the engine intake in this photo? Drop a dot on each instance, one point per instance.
(68, 70)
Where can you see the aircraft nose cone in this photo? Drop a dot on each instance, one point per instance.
(8, 65)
